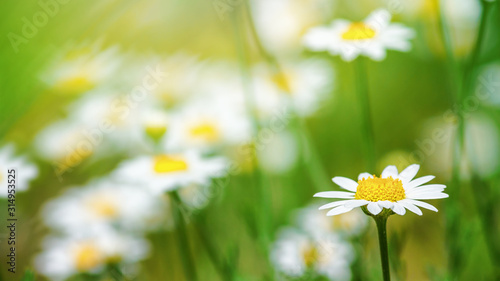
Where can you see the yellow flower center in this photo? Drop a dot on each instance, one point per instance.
(168, 164)
(75, 85)
(205, 131)
(282, 82)
(310, 255)
(156, 132)
(87, 256)
(104, 207)
(380, 189)
(358, 31)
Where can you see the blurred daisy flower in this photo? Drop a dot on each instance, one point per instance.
(371, 37)
(66, 144)
(104, 202)
(25, 171)
(296, 254)
(296, 16)
(167, 172)
(208, 122)
(303, 84)
(182, 72)
(319, 225)
(392, 190)
(81, 68)
(88, 252)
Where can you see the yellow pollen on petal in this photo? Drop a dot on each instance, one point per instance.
(380, 189)
(205, 131)
(168, 164)
(310, 255)
(358, 31)
(87, 256)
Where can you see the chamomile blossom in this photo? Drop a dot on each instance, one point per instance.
(319, 225)
(104, 202)
(88, 252)
(295, 254)
(24, 170)
(208, 122)
(302, 85)
(295, 16)
(392, 190)
(81, 68)
(167, 172)
(371, 37)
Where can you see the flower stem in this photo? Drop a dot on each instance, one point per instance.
(264, 193)
(364, 99)
(381, 221)
(309, 152)
(180, 225)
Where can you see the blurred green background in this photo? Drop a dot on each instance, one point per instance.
(411, 95)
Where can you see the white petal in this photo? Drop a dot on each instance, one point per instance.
(409, 173)
(426, 189)
(338, 210)
(334, 204)
(346, 183)
(364, 176)
(390, 171)
(410, 207)
(428, 196)
(385, 204)
(335, 194)
(422, 204)
(374, 208)
(356, 203)
(417, 182)
(398, 209)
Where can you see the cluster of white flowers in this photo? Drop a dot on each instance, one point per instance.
(318, 245)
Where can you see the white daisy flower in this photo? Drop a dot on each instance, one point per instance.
(303, 84)
(167, 172)
(371, 38)
(295, 254)
(392, 190)
(66, 144)
(208, 122)
(81, 68)
(87, 252)
(182, 72)
(25, 171)
(319, 225)
(295, 17)
(104, 202)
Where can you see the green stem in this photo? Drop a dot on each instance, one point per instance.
(225, 270)
(311, 157)
(182, 236)
(364, 99)
(264, 194)
(381, 221)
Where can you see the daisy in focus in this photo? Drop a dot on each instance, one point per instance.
(25, 171)
(371, 37)
(168, 172)
(392, 190)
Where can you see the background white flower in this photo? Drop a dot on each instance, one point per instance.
(25, 171)
(371, 38)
